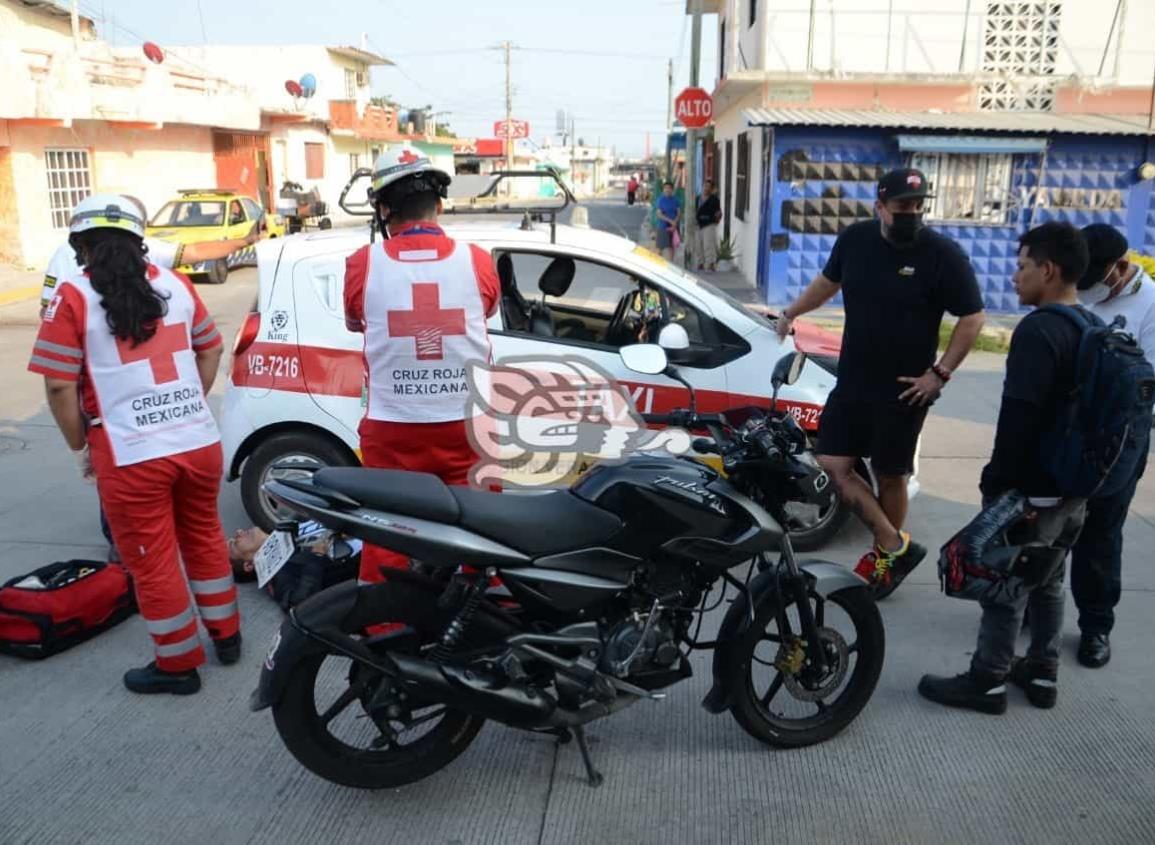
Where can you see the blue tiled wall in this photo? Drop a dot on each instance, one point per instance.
(1082, 163)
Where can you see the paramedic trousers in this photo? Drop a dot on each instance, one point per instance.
(162, 512)
(442, 449)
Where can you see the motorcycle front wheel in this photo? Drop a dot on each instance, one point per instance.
(778, 697)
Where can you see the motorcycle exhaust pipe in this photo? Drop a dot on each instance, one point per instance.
(476, 691)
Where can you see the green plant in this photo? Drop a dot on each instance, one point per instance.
(726, 250)
(1147, 262)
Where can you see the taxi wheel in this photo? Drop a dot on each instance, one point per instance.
(274, 459)
(218, 272)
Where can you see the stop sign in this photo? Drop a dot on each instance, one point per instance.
(693, 108)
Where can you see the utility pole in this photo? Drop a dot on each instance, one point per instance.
(508, 112)
(572, 152)
(75, 16)
(692, 143)
(669, 116)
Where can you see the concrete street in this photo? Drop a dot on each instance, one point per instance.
(83, 760)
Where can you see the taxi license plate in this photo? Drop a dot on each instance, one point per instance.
(273, 554)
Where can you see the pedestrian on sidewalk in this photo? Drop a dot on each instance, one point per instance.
(1112, 287)
(669, 216)
(1040, 376)
(145, 352)
(897, 278)
(708, 213)
(632, 189)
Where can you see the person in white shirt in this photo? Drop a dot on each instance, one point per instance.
(1113, 286)
(165, 254)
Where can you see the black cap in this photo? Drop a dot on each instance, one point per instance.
(903, 184)
(1105, 245)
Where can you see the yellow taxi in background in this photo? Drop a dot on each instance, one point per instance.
(198, 215)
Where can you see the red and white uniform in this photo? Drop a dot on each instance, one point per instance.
(421, 299)
(156, 452)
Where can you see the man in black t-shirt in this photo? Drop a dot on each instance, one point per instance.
(1040, 373)
(897, 278)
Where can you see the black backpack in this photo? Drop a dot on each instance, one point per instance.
(1094, 446)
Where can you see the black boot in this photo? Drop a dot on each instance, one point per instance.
(1094, 650)
(1039, 683)
(229, 649)
(984, 693)
(149, 680)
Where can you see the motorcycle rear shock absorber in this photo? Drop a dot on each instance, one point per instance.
(457, 629)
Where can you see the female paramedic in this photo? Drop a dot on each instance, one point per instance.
(145, 351)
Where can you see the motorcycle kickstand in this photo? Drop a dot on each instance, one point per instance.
(596, 778)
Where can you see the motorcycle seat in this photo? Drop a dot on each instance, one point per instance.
(533, 523)
(398, 491)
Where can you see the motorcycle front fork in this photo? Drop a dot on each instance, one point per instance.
(796, 586)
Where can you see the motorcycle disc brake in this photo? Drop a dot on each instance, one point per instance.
(800, 683)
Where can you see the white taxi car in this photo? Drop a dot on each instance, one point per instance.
(295, 390)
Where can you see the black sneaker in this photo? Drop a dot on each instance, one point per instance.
(149, 680)
(1041, 685)
(987, 694)
(229, 649)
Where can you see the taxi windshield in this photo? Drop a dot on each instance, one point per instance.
(745, 307)
(191, 213)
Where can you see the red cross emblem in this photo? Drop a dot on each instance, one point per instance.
(407, 157)
(159, 350)
(427, 323)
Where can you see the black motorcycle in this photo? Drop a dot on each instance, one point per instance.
(547, 611)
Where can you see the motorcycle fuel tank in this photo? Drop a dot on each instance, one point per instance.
(671, 503)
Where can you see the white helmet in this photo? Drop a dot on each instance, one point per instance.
(405, 161)
(111, 211)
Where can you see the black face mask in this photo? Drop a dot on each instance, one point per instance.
(905, 228)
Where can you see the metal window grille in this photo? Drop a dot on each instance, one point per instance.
(968, 188)
(354, 162)
(350, 84)
(69, 181)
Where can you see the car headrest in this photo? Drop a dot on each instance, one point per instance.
(505, 272)
(558, 276)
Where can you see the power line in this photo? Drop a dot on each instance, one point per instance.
(595, 53)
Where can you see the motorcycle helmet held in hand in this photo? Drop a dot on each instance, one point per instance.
(1006, 550)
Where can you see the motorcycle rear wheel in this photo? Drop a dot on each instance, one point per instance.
(306, 734)
(823, 706)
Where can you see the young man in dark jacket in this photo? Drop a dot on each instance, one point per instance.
(1040, 372)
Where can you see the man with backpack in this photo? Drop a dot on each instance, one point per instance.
(1112, 287)
(1071, 383)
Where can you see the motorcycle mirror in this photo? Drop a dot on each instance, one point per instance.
(673, 336)
(787, 370)
(646, 358)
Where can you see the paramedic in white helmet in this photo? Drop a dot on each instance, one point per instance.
(421, 299)
(166, 254)
(142, 348)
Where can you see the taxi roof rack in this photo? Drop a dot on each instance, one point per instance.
(487, 202)
(221, 191)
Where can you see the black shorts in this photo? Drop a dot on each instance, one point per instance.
(884, 431)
